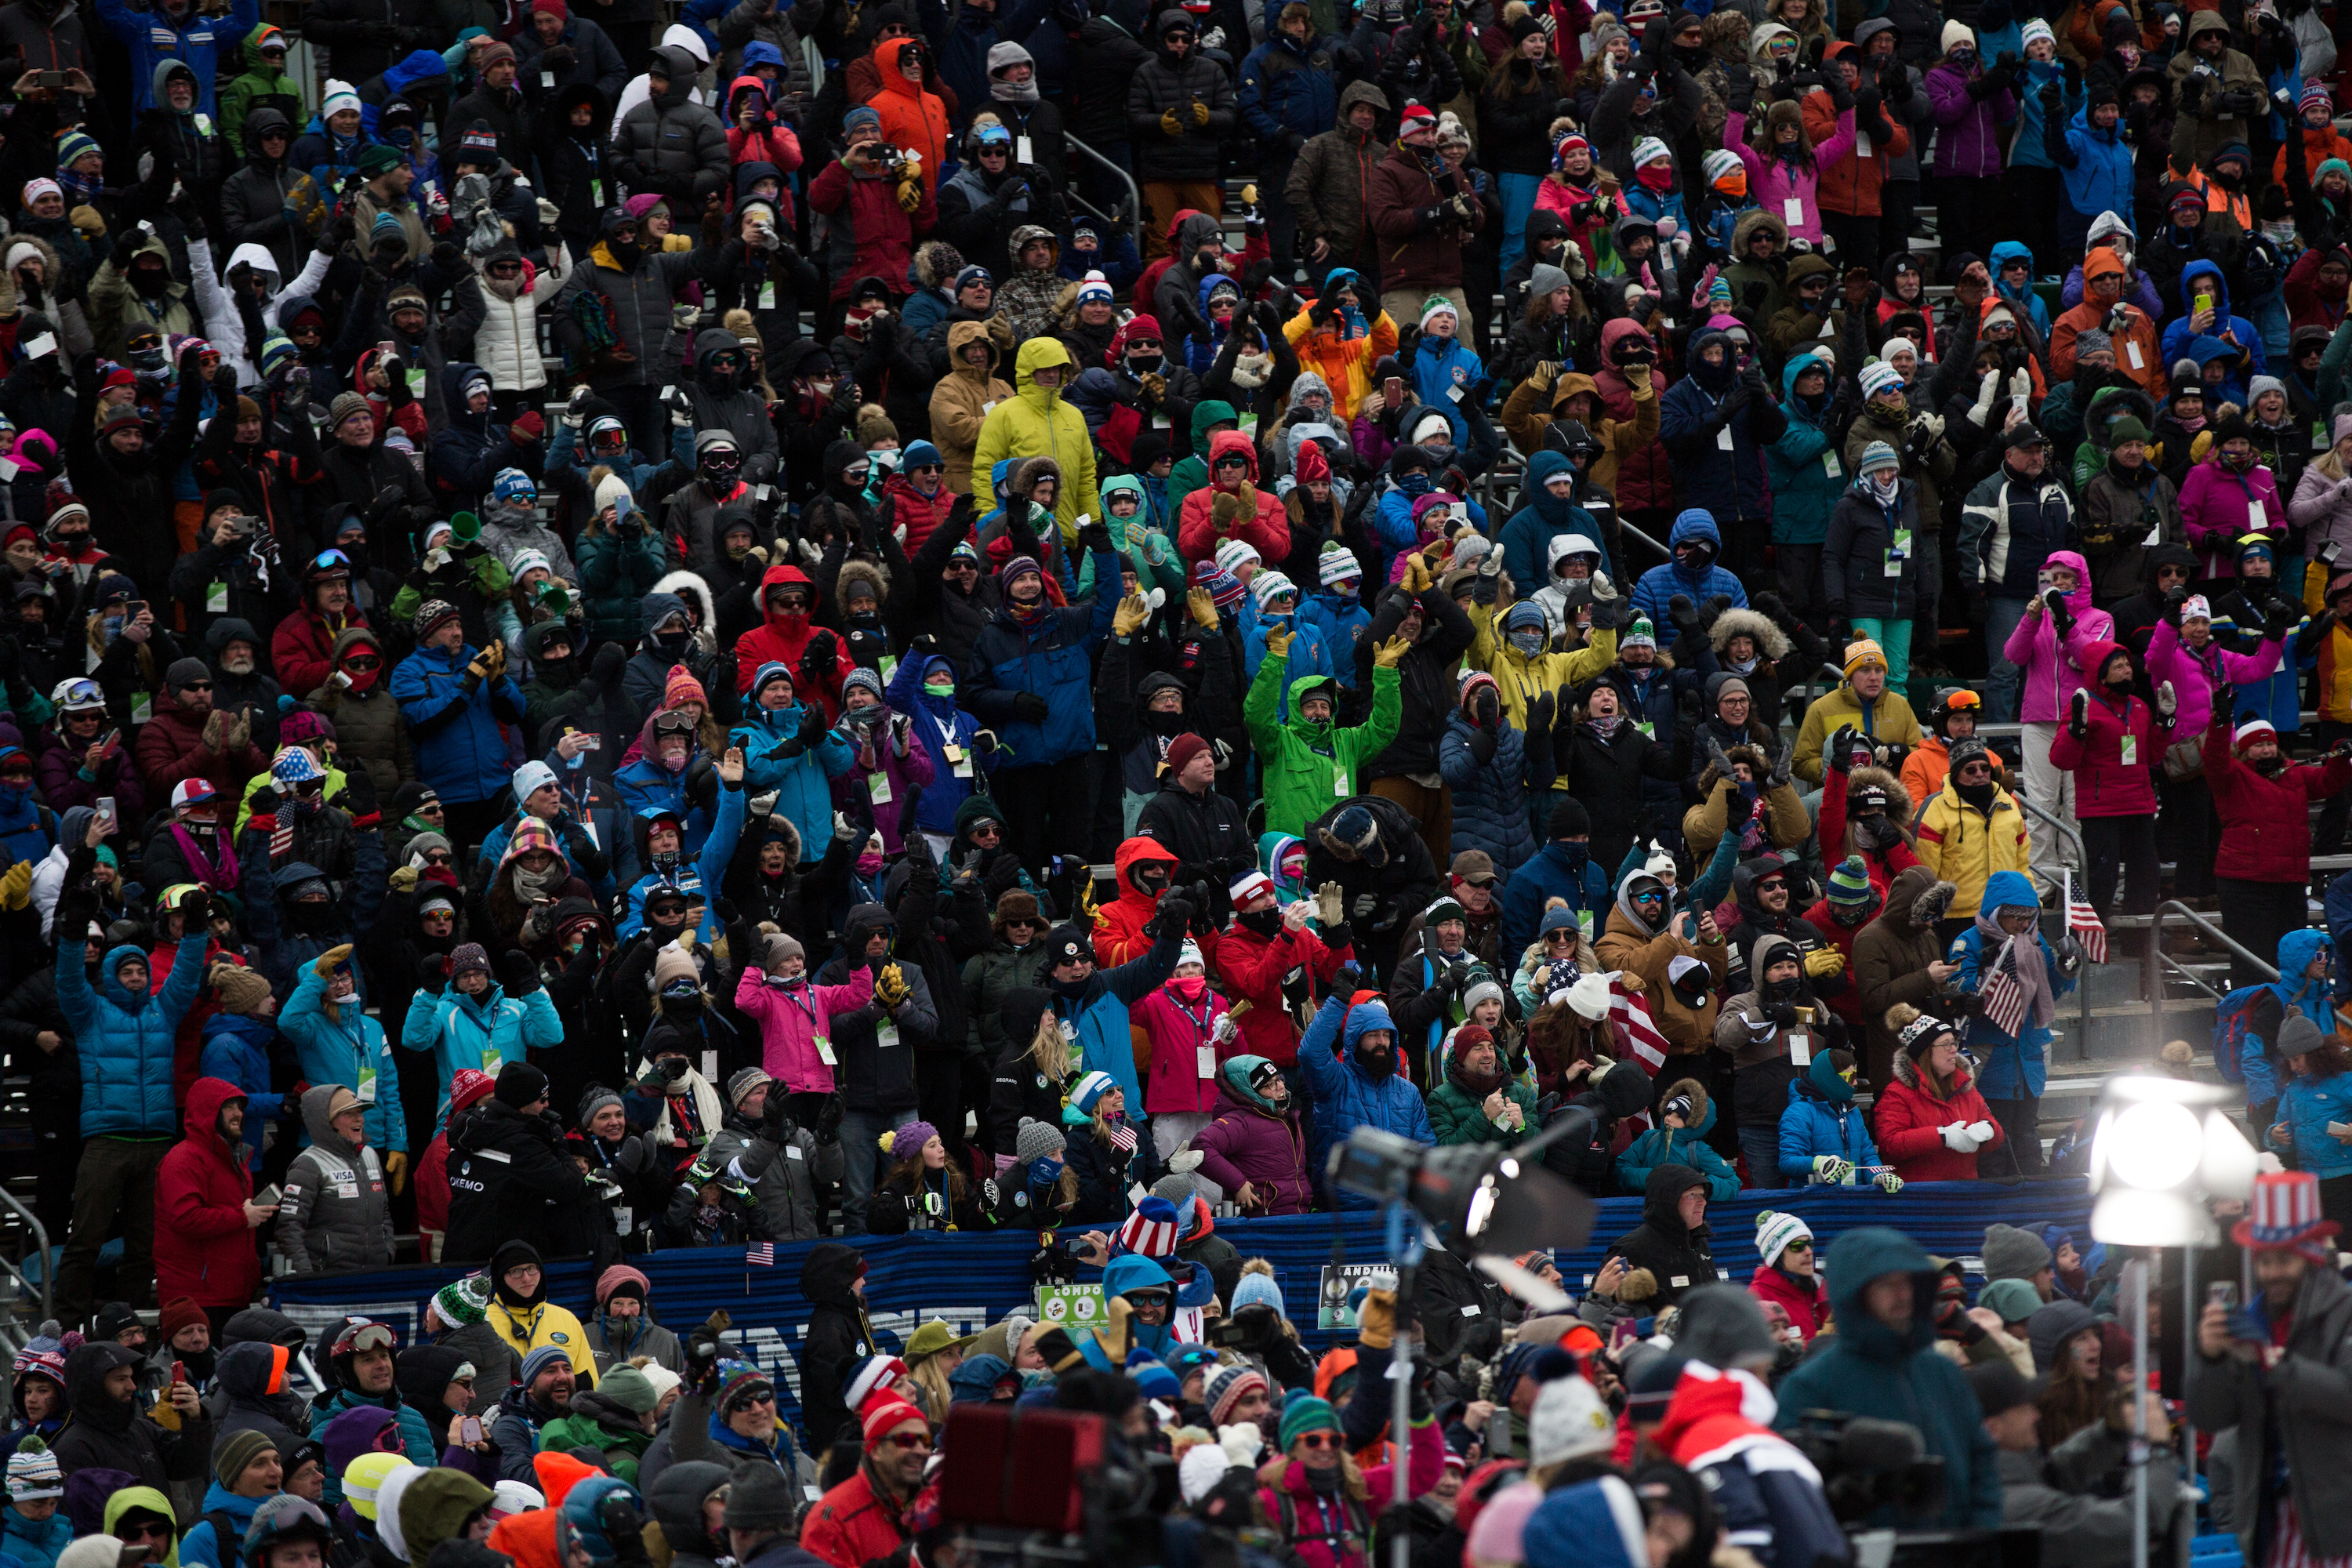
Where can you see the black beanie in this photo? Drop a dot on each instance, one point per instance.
(520, 1084)
(1570, 818)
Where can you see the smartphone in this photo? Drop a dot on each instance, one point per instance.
(134, 609)
(2222, 1293)
(1392, 391)
(268, 1196)
(49, 78)
(179, 1372)
(469, 1431)
(106, 814)
(591, 742)
(1622, 1335)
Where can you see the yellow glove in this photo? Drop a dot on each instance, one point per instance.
(1132, 612)
(911, 195)
(890, 987)
(1546, 373)
(327, 963)
(1277, 643)
(1200, 112)
(1823, 962)
(1223, 509)
(1416, 575)
(1169, 124)
(395, 1171)
(86, 219)
(17, 886)
(402, 880)
(1249, 196)
(1203, 605)
(1391, 654)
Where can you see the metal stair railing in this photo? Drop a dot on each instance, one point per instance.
(1134, 192)
(13, 1272)
(2158, 961)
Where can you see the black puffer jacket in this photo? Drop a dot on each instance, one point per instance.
(253, 200)
(673, 145)
(114, 1434)
(510, 1180)
(837, 1331)
(1164, 83)
(1682, 1256)
(1425, 680)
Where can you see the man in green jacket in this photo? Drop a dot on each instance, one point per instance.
(1309, 763)
(1480, 1101)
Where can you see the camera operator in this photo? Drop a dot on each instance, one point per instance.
(1423, 211)
(1883, 1363)
(2275, 1369)
(2057, 1492)
(235, 570)
(879, 202)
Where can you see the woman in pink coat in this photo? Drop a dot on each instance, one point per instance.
(2228, 496)
(2182, 651)
(1185, 1022)
(2048, 645)
(1785, 176)
(795, 1017)
(2113, 744)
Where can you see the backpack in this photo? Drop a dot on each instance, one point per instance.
(2232, 1021)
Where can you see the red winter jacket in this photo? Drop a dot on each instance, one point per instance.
(783, 638)
(203, 1246)
(302, 648)
(1313, 1525)
(1267, 531)
(1253, 968)
(873, 237)
(1908, 1116)
(851, 1527)
(2105, 785)
(1118, 924)
(1810, 1313)
(2265, 831)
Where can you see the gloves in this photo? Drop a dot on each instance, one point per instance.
(1830, 1168)
(1824, 963)
(890, 987)
(1391, 654)
(911, 195)
(1987, 390)
(195, 909)
(1683, 613)
(1030, 708)
(1958, 1139)
(77, 908)
(1200, 112)
(703, 1349)
(433, 973)
(2079, 724)
(526, 428)
(517, 973)
(1329, 907)
(2167, 701)
(2284, 614)
(1135, 610)
(1612, 611)
(17, 886)
(1889, 1183)
(395, 1170)
(1982, 1131)
(1175, 914)
(1169, 124)
(1366, 906)
(817, 659)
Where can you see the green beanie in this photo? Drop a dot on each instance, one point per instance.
(1850, 882)
(1305, 1413)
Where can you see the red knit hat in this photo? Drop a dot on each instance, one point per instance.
(1182, 749)
(883, 1417)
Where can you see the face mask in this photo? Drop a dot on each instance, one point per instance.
(868, 864)
(1191, 987)
(1414, 484)
(1579, 855)
(2120, 687)
(939, 688)
(1528, 643)
(2271, 767)
(1044, 1172)
(671, 640)
(1264, 922)
(1654, 178)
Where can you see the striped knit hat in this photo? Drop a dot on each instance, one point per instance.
(1305, 1414)
(1150, 1231)
(1090, 1090)
(1225, 1387)
(1878, 377)
(1850, 882)
(1775, 1230)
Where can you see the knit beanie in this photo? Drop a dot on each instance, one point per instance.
(1036, 1140)
(1305, 1413)
(1775, 1230)
(1849, 882)
(231, 1455)
(2011, 1253)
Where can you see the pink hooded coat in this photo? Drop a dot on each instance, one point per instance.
(2052, 674)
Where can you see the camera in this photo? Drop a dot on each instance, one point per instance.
(1867, 1465)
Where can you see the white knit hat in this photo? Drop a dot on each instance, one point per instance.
(2196, 607)
(1268, 585)
(340, 95)
(1893, 346)
(1718, 164)
(1955, 35)
(1203, 1466)
(1649, 150)
(1775, 1229)
(1338, 564)
(1878, 377)
(2038, 28)
(1569, 1422)
(1234, 554)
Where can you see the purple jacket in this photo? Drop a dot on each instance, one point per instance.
(63, 787)
(1968, 131)
(1247, 1143)
(907, 774)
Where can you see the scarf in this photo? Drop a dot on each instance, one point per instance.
(2024, 959)
(1606, 728)
(1014, 91)
(220, 874)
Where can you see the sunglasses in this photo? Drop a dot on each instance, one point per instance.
(437, 858)
(1023, 925)
(1559, 936)
(364, 661)
(1232, 462)
(986, 830)
(1143, 343)
(931, 469)
(147, 1531)
(1773, 884)
(1319, 1440)
(1799, 1245)
(923, 1443)
(747, 1401)
(1975, 771)
(197, 686)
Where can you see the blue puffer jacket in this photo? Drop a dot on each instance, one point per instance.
(939, 724)
(1810, 1126)
(2264, 1069)
(36, 1542)
(1051, 659)
(485, 1032)
(349, 1049)
(1728, 484)
(27, 829)
(2010, 250)
(1679, 1146)
(1339, 617)
(2102, 171)
(1808, 476)
(237, 1050)
(1288, 85)
(1490, 800)
(1557, 870)
(1660, 583)
(199, 1545)
(1346, 1097)
(2307, 1105)
(460, 750)
(152, 38)
(125, 1041)
(803, 782)
(2013, 1068)
(1526, 538)
(1439, 366)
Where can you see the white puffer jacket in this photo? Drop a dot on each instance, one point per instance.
(507, 343)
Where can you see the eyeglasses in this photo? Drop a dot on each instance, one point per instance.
(986, 830)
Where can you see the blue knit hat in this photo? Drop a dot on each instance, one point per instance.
(514, 486)
(1258, 1289)
(540, 1360)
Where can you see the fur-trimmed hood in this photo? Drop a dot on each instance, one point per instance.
(936, 264)
(860, 572)
(1745, 230)
(1768, 638)
(1899, 804)
(687, 585)
(1758, 764)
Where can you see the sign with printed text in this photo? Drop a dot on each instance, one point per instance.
(1072, 1306)
(1339, 1281)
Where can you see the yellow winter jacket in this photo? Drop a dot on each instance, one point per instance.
(1965, 846)
(1523, 679)
(1035, 423)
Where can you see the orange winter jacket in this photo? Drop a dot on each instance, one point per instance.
(2139, 355)
(911, 118)
(1850, 185)
(1344, 363)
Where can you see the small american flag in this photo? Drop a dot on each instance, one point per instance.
(1124, 1136)
(1630, 1010)
(2082, 923)
(1998, 990)
(762, 1253)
